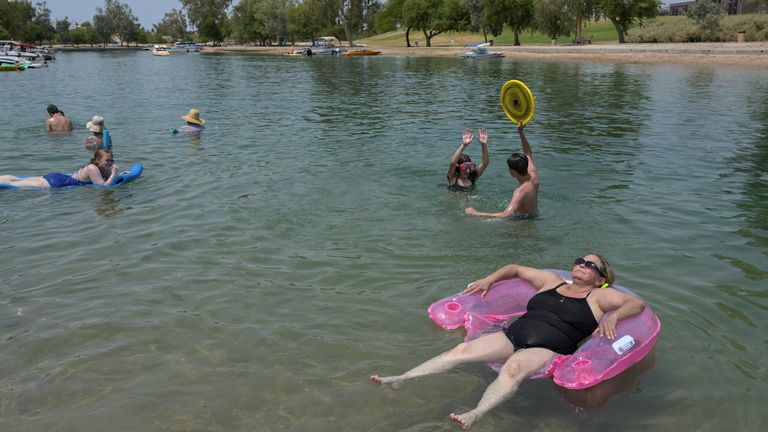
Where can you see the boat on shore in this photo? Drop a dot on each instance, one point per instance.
(325, 45)
(361, 53)
(480, 51)
(188, 46)
(161, 51)
(6, 60)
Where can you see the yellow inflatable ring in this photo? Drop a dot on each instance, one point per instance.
(517, 101)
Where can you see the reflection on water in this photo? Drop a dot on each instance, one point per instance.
(256, 274)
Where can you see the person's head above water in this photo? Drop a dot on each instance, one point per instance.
(593, 270)
(518, 163)
(53, 109)
(102, 158)
(193, 117)
(466, 167)
(96, 125)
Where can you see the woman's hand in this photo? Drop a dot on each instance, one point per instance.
(607, 325)
(467, 138)
(480, 285)
(521, 127)
(471, 211)
(483, 137)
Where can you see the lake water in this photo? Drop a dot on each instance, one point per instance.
(255, 276)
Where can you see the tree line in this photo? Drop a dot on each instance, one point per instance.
(269, 22)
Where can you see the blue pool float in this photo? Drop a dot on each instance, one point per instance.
(120, 179)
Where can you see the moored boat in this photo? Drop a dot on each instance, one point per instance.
(361, 53)
(161, 50)
(326, 45)
(480, 51)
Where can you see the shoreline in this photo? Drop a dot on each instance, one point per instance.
(722, 53)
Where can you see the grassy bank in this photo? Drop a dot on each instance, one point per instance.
(660, 29)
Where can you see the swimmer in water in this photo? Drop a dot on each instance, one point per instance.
(462, 172)
(524, 200)
(101, 170)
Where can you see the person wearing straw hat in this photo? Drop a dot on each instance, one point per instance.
(525, 197)
(96, 140)
(194, 122)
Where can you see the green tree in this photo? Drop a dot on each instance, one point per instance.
(174, 24)
(16, 18)
(260, 20)
(209, 16)
(581, 10)
(84, 34)
(708, 16)
(115, 18)
(434, 17)
(517, 14)
(390, 17)
(553, 18)
(62, 31)
(302, 22)
(43, 21)
(622, 13)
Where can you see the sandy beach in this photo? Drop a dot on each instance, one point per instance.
(725, 53)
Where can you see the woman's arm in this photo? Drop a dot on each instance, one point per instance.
(615, 306)
(466, 139)
(483, 138)
(94, 175)
(512, 207)
(540, 279)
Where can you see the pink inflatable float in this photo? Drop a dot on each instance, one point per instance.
(596, 360)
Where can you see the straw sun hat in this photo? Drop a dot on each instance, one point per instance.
(96, 124)
(193, 116)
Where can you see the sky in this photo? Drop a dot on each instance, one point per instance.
(148, 11)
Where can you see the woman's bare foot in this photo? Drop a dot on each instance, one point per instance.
(464, 420)
(394, 381)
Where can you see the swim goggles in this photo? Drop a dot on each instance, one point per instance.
(467, 166)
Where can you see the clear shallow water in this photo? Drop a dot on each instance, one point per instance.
(254, 277)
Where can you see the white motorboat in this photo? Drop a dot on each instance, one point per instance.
(480, 51)
(187, 46)
(161, 50)
(326, 45)
(14, 60)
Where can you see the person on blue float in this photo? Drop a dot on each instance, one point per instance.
(96, 139)
(524, 202)
(462, 172)
(194, 122)
(101, 170)
(557, 319)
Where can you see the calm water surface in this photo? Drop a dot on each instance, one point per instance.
(254, 277)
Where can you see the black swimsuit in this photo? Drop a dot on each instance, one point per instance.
(554, 322)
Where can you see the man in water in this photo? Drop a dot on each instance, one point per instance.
(525, 198)
(58, 121)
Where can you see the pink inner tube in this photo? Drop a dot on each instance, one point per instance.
(597, 358)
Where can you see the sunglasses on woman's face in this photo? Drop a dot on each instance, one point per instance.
(589, 264)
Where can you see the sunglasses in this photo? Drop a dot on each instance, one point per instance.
(467, 166)
(109, 160)
(590, 265)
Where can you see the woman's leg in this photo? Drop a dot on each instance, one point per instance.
(492, 347)
(520, 366)
(37, 182)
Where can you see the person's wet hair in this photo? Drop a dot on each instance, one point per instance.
(462, 159)
(519, 163)
(100, 153)
(52, 109)
(610, 276)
